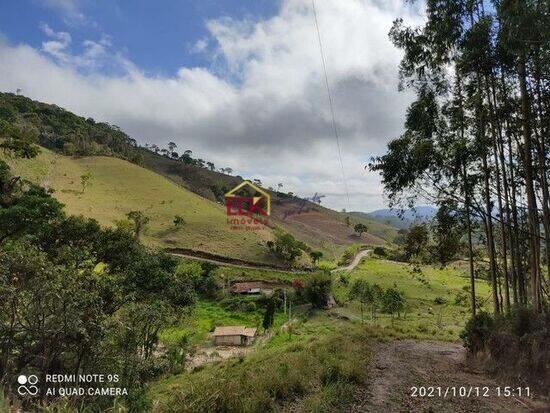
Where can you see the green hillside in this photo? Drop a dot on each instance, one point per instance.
(117, 187)
(320, 227)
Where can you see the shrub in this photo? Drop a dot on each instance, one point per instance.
(477, 331)
(380, 251)
(286, 246)
(440, 300)
(317, 289)
(462, 299)
(348, 254)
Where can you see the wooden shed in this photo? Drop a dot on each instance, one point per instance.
(233, 336)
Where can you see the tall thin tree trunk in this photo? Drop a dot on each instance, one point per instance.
(489, 233)
(530, 187)
(497, 135)
(470, 243)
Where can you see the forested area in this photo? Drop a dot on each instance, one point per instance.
(75, 297)
(476, 142)
(63, 131)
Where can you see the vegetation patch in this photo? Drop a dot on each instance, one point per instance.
(318, 369)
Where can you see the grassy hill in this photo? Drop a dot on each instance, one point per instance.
(437, 298)
(320, 227)
(195, 192)
(117, 187)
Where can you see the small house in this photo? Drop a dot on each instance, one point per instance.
(233, 336)
(254, 287)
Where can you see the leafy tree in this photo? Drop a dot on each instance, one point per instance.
(19, 141)
(315, 256)
(179, 221)
(447, 231)
(140, 221)
(475, 134)
(360, 228)
(393, 302)
(286, 246)
(269, 315)
(172, 146)
(366, 294)
(416, 241)
(31, 211)
(211, 166)
(361, 291)
(318, 289)
(85, 181)
(219, 191)
(348, 221)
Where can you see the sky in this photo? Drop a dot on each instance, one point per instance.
(238, 82)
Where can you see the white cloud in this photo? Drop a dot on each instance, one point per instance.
(69, 8)
(95, 55)
(200, 46)
(263, 109)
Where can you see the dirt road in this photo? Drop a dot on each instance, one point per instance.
(256, 266)
(399, 365)
(356, 260)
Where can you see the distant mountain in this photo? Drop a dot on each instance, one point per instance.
(400, 219)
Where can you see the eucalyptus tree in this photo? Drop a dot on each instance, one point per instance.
(476, 134)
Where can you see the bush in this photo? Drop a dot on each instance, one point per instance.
(517, 344)
(380, 251)
(317, 289)
(440, 300)
(286, 246)
(477, 331)
(462, 299)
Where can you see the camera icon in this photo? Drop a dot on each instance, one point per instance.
(27, 385)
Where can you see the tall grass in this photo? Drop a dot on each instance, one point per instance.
(315, 373)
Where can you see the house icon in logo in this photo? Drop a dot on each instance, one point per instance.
(255, 202)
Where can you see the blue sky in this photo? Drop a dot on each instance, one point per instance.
(159, 36)
(238, 82)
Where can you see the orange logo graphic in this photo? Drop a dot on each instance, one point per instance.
(247, 206)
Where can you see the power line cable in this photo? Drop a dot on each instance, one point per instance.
(330, 102)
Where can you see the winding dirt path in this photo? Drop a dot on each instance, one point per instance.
(229, 262)
(356, 260)
(399, 365)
